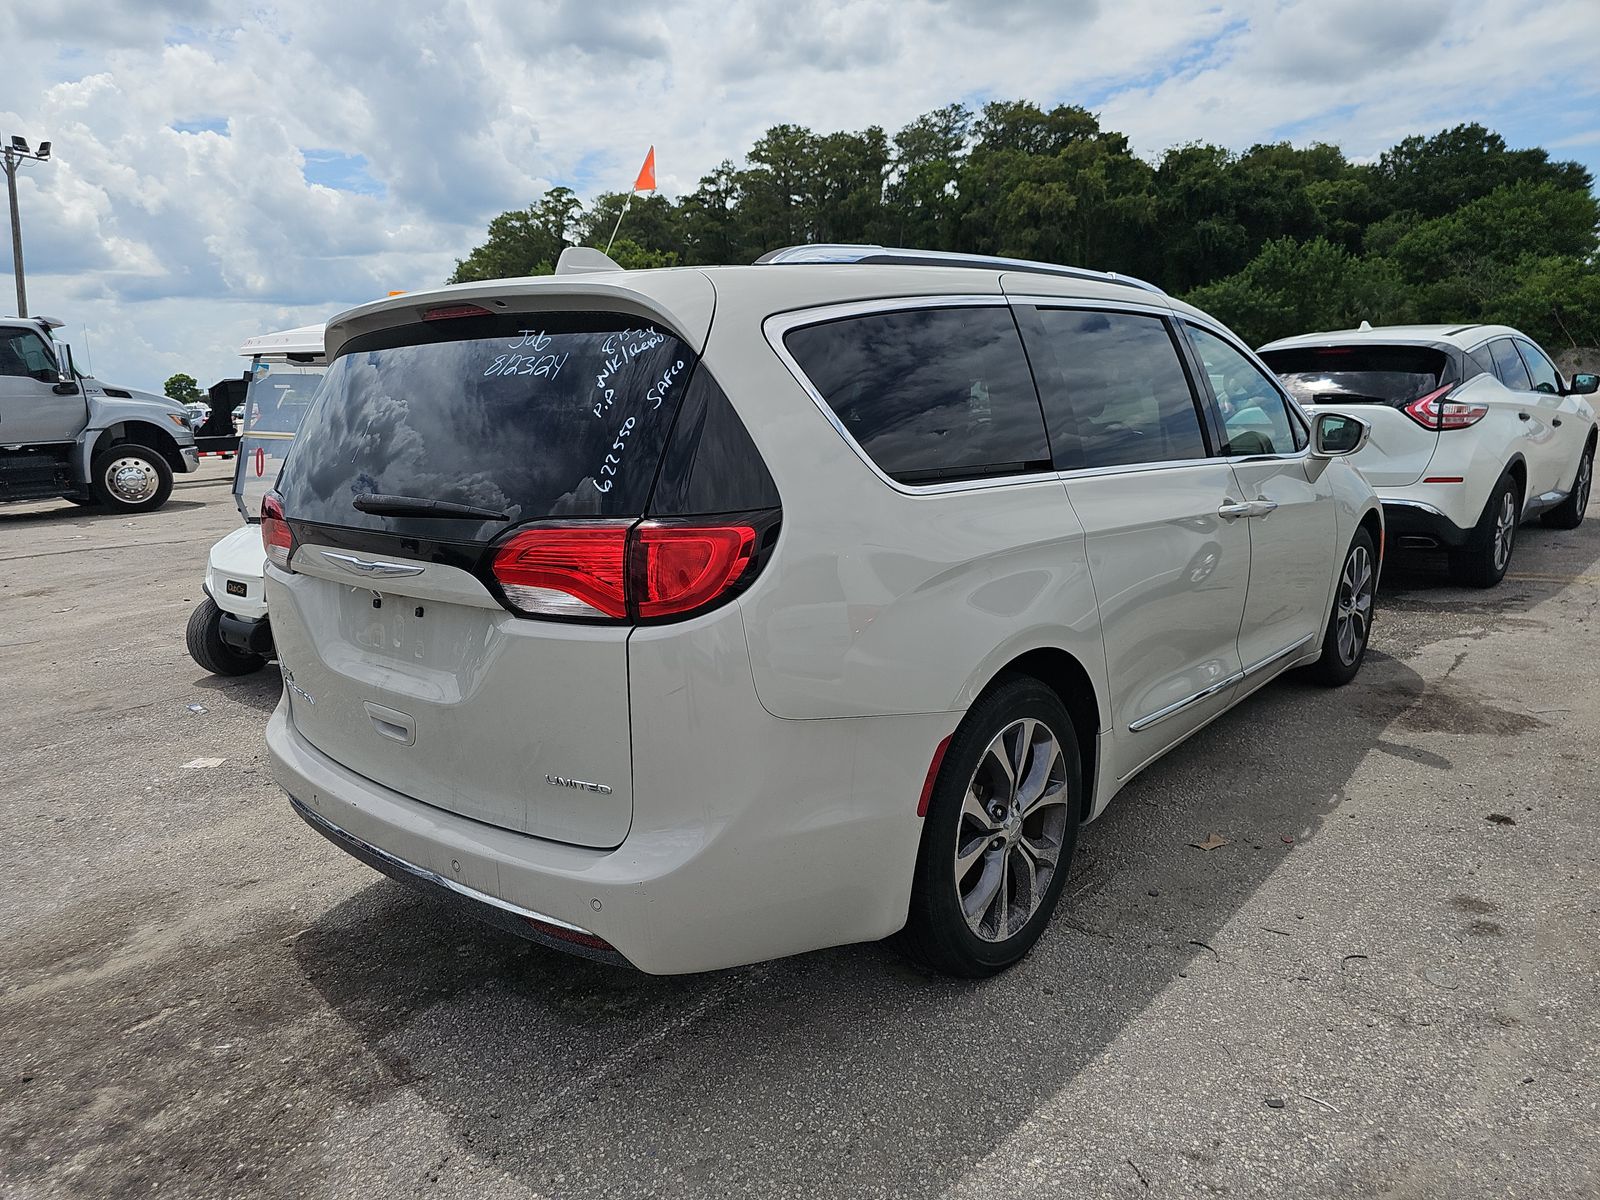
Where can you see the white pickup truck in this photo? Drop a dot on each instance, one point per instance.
(65, 434)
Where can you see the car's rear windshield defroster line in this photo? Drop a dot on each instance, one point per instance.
(530, 415)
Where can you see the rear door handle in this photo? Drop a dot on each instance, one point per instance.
(1232, 510)
(1262, 507)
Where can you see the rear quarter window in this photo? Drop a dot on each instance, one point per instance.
(932, 394)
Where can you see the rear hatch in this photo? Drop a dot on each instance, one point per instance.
(429, 446)
(1376, 383)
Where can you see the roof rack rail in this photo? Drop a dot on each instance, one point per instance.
(844, 253)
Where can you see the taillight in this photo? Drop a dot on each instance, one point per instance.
(679, 568)
(566, 571)
(620, 570)
(1433, 411)
(276, 536)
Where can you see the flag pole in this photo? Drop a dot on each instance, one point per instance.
(618, 225)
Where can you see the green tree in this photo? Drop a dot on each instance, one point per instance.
(1295, 287)
(1435, 175)
(183, 389)
(524, 242)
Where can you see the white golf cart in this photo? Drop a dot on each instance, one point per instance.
(228, 630)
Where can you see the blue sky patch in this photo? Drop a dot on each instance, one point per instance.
(202, 125)
(342, 172)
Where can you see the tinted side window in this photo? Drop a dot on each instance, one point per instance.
(1255, 416)
(23, 353)
(710, 465)
(1122, 390)
(1508, 366)
(1545, 377)
(930, 394)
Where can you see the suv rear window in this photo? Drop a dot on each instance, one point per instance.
(531, 415)
(931, 394)
(1392, 375)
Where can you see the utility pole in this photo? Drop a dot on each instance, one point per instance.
(15, 151)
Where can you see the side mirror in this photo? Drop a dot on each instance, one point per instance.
(1584, 385)
(67, 385)
(1335, 435)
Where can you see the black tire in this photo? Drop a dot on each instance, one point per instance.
(207, 648)
(1482, 562)
(937, 930)
(1569, 513)
(108, 472)
(1349, 629)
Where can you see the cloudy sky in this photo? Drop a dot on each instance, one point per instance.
(222, 170)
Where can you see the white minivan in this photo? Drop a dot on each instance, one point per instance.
(692, 617)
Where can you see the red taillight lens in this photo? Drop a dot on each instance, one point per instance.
(1433, 411)
(620, 570)
(276, 536)
(678, 568)
(574, 571)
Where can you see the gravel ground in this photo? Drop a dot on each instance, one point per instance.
(1372, 990)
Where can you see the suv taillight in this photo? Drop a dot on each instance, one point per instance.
(276, 536)
(1433, 411)
(622, 570)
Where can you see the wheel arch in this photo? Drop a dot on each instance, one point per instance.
(140, 433)
(1065, 675)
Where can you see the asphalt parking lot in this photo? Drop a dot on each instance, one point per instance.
(1384, 984)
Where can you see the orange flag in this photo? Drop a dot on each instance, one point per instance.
(647, 173)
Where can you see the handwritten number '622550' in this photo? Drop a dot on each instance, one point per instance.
(614, 459)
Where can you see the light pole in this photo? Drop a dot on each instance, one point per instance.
(15, 151)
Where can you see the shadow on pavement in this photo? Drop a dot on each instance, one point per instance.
(69, 513)
(831, 1072)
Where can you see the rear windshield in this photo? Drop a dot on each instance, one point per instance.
(279, 395)
(1393, 375)
(525, 415)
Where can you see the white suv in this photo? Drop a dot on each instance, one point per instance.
(1473, 431)
(693, 617)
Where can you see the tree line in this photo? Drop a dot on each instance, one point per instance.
(1276, 240)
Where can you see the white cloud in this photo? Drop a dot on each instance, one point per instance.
(170, 247)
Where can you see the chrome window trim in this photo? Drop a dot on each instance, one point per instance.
(1100, 303)
(1168, 464)
(778, 324)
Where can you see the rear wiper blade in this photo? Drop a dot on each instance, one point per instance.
(421, 506)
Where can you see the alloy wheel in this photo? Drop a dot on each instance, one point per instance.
(1505, 530)
(1009, 835)
(1353, 615)
(132, 480)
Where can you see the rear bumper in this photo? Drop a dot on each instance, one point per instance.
(816, 850)
(248, 635)
(1413, 524)
(478, 905)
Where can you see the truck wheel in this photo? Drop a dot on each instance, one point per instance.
(207, 648)
(130, 478)
(1483, 561)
